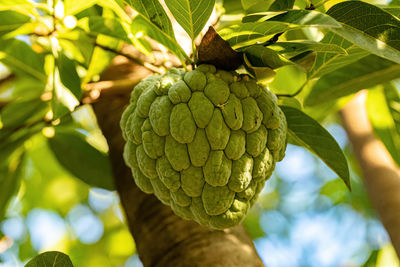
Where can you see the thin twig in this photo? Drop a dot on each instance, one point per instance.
(136, 60)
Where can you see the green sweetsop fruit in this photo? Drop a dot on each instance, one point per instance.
(203, 142)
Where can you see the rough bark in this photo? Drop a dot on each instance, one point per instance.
(162, 238)
(381, 174)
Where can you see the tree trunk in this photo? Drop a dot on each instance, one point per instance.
(381, 174)
(162, 238)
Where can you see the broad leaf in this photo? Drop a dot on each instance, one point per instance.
(68, 75)
(369, 27)
(107, 26)
(154, 13)
(307, 18)
(141, 24)
(260, 31)
(22, 6)
(328, 62)
(82, 159)
(297, 47)
(315, 138)
(260, 56)
(256, 5)
(19, 56)
(365, 73)
(64, 100)
(50, 258)
(118, 6)
(20, 112)
(253, 32)
(192, 15)
(72, 7)
(100, 59)
(11, 20)
(383, 122)
(153, 21)
(282, 5)
(10, 177)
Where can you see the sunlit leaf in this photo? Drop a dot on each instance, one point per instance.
(328, 62)
(68, 75)
(11, 20)
(72, 7)
(81, 159)
(153, 21)
(382, 120)
(260, 31)
(101, 58)
(282, 5)
(19, 56)
(307, 18)
(50, 258)
(142, 25)
(369, 27)
(366, 72)
(297, 47)
(22, 6)
(256, 5)
(192, 15)
(310, 134)
(20, 112)
(261, 56)
(107, 26)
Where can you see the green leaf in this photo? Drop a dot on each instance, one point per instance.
(260, 31)
(20, 112)
(300, 46)
(100, 58)
(250, 33)
(22, 6)
(256, 5)
(393, 100)
(19, 57)
(369, 27)
(365, 73)
(68, 75)
(154, 13)
(315, 138)
(307, 18)
(261, 56)
(382, 120)
(82, 159)
(11, 20)
(77, 45)
(141, 24)
(153, 21)
(72, 7)
(10, 177)
(282, 5)
(328, 62)
(50, 258)
(282, 85)
(192, 15)
(107, 26)
(117, 6)
(261, 16)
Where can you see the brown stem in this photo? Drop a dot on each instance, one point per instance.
(381, 174)
(163, 239)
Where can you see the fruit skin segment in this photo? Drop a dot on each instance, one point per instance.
(203, 142)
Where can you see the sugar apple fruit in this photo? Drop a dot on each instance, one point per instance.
(203, 142)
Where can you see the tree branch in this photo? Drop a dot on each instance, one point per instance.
(381, 174)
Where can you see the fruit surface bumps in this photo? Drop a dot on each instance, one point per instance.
(203, 142)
